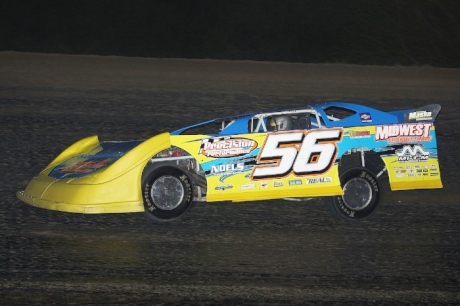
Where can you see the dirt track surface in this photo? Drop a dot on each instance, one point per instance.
(271, 252)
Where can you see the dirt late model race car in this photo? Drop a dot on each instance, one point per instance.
(340, 151)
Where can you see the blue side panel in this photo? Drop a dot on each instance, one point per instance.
(239, 126)
(105, 154)
(364, 115)
(400, 114)
(181, 130)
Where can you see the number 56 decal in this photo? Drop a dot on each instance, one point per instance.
(300, 152)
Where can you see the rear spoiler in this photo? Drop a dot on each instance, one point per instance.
(424, 113)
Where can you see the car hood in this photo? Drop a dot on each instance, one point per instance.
(101, 156)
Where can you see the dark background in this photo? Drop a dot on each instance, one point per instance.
(387, 32)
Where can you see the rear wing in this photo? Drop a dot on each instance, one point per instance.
(424, 113)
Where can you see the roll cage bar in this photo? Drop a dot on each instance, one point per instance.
(303, 118)
(307, 118)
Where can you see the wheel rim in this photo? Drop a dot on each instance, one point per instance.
(357, 194)
(167, 192)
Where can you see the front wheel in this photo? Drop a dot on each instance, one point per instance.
(361, 195)
(167, 194)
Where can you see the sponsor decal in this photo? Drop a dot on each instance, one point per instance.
(224, 187)
(83, 167)
(420, 115)
(365, 117)
(248, 186)
(318, 180)
(263, 185)
(295, 182)
(360, 134)
(403, 132)
(278, 184)
(413, 153)
(223, 168)
(227, 147)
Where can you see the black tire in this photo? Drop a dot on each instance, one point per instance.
(167, 193)
(361, 195)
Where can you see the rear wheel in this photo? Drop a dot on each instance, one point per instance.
(167, 193)
(361, 195)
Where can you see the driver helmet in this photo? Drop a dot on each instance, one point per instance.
(280, 123)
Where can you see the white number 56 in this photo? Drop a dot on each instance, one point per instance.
(280, 155)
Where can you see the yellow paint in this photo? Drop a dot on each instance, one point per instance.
(405, 176)
(234, 188)
(115, 189)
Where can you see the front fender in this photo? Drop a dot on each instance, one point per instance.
(116, 189)
(135, 158)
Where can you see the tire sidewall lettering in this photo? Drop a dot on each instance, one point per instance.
(186, 182)
(346, 213)
(371, 180)
(156, 213)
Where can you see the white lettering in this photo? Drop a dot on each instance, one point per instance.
(384, 132)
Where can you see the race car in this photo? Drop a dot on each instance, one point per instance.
(336, 150)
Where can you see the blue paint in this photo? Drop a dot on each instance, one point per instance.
(102, 156)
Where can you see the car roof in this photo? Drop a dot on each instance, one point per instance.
(359, 115)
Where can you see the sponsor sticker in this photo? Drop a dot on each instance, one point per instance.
(412, 153)
(360, 134)
(295, 182)
(248, 186)
(403, 132)
(224, 187)
(365, 117)
(226, 147)
(83, 167)
(278, 184)
(318, 180)
(223, 168)
(420, 116)
(263, 185)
